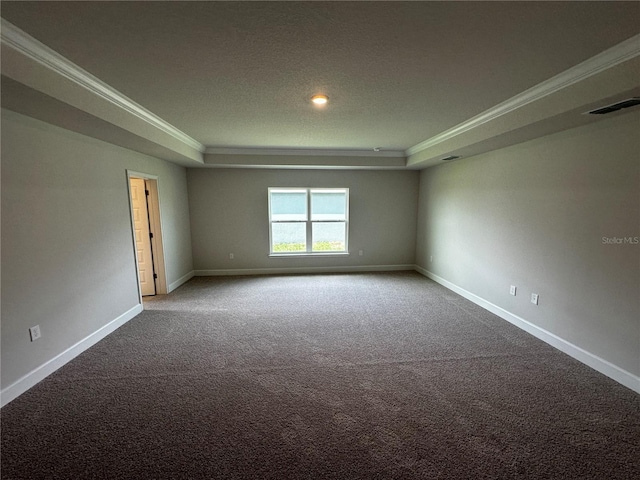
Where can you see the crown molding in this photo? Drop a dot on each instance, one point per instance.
(22, 42)
(615, 55)
(19, 40)
(324, 152)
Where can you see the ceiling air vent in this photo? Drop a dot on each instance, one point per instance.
(616, 106)
(450, 157)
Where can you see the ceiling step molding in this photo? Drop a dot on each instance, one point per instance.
(615, 55)
(18, 40)
(24, 43)
(303, 152)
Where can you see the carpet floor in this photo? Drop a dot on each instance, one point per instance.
(345, 376)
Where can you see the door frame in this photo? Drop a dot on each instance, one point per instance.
(155, 226)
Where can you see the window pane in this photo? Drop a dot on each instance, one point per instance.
(288, 237)
(329, 237)
(288, 206)
(328, 205)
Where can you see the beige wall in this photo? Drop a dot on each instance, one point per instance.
(67, 252)
(229, 215)
(534, 215)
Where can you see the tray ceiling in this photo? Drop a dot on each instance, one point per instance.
(239, 75)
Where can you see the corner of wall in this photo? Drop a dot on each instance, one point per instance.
(183, 279)
(612, 371)
(29, 380)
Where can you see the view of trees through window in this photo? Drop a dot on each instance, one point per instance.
(308, 220)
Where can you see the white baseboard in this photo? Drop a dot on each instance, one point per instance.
(612, 371)
(180, 281)
(40, 373)
(287, 270)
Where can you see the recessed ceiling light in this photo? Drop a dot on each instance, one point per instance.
(320, 99)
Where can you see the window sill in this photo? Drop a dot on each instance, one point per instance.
(309, 254)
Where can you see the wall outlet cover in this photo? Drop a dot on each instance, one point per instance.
(35, 333)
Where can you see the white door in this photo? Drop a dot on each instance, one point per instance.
(143, 239)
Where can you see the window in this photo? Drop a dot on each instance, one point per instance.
(308, 220)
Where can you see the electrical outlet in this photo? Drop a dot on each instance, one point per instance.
(231, 256)
(512, 290)
(360, 252)
(534, 298)
(35, 333)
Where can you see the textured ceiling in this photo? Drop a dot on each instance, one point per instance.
(240, 74)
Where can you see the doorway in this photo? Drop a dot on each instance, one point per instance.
(147, 233)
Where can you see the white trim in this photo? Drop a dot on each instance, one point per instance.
(609, 58)
(292, 166)
(155, 224)
(157, 245)
(301, 270)
(24, 43)
(612, 371)
(40, 373)
(183, 279)
(146, 176)
(324, 152)
(308, 221)
(309, 254)
(133, 236)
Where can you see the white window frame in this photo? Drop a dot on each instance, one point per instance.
(309, 223)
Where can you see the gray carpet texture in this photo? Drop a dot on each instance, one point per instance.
(342, 376)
